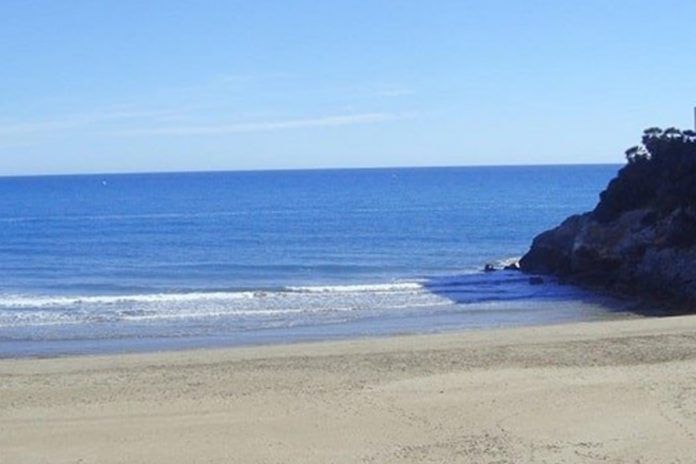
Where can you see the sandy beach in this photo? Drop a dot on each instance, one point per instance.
(618, 391)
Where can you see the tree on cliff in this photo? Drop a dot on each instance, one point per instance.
(660, 173)
(689, 135)
(652, 132)
(672, 132)
(637, 154)
(641, 236)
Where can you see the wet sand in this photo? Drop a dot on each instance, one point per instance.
(614, 391)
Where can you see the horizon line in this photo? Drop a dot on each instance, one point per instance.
(258, 170)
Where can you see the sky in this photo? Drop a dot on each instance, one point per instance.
(132, 86)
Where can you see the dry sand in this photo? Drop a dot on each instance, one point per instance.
(620, 391)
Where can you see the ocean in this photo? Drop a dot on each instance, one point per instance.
(132, 262)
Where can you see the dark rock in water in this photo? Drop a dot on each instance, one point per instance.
(512, 267)
(641, 236)
(489, 268)
(536, 280)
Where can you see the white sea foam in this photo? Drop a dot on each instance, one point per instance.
(264, 308)
(508, 261)
(29, 301)
(391, 287)
(26, 310)
(32, 301)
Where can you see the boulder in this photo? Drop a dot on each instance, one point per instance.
(512, 267)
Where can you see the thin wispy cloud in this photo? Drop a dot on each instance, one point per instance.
(78, 121)
(265, 126)
(103, 123)
(37, 126)
(208, 100)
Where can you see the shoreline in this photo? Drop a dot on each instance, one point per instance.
(576, 330)
(62, 349)
(614, 390)
(552, 304)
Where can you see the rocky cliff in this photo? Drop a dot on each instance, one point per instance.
(641, 236)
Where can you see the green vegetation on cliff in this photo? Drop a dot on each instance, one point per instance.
(641, 237)
(660, 174)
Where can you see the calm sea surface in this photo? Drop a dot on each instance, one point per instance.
(154, 261)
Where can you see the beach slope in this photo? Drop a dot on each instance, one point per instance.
(617, 391)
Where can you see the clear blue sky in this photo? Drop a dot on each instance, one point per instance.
(114, 86)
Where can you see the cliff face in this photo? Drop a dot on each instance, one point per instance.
(641, 236)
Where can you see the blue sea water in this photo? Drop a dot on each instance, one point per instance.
(105, 263)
